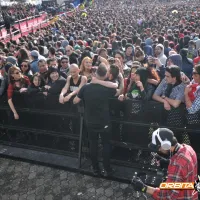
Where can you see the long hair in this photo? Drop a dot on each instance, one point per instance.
(28, 64)
(11, 71)
(37, 74)
(82, 67)
(23, 54)
(153, 74)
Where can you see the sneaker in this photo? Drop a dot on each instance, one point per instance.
(107, 173)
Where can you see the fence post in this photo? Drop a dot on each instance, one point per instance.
(81, 111)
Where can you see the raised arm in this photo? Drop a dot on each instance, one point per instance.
(108, 84)
(83, 82)
(64, 90)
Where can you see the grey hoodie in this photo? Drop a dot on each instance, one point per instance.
(162, 56)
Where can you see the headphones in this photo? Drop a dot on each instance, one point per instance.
(166, 144)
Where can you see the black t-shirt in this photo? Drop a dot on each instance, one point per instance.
(96, 101)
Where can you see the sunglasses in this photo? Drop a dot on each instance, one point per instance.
(24, 65)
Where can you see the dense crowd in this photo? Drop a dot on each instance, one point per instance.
(130, 50)
(151, 52)
(19, 11)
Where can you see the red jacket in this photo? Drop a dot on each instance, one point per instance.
(182, 168)
(11, 87)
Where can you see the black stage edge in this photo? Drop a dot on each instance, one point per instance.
(64, 162)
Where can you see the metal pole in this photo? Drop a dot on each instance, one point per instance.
(81, 136)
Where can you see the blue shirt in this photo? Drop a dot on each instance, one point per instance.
(177, 92)
(34, 66)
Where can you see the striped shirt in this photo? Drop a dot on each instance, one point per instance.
(182, 168)
(177, 92)
(196, 103)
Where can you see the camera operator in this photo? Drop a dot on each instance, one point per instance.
(182, 166)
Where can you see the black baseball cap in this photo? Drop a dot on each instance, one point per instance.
(164, 134)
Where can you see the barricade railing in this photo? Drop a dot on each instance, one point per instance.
(25, 26)
(47, 125)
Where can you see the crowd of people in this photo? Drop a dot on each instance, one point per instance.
(148, 56)
(132, 50)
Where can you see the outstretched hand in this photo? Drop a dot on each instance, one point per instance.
(138, 185)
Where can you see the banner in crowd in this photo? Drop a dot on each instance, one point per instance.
(27, 26)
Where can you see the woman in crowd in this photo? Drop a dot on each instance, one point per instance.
(192, 92)
(36, 84)
(55, 82)
(153, 77)
(140, 56)
(26, 69)
(22, 55)
(86, 68)
(140, 89)
(128, 81)
(17, 82)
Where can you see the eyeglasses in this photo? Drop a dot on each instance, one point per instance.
(24, 65)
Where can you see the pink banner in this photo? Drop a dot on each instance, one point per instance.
(30, 24)
(16, 26)
(23, 28)
(3, 32)
(26, 27)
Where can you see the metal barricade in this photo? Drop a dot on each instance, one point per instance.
(47, 125)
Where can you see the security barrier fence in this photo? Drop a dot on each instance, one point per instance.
(46, 125)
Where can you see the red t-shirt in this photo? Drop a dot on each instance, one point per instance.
(11, 87)
(196, 60)
(191, 93)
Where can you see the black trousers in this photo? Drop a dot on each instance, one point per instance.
(93, 134)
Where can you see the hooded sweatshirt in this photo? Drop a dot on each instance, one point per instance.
(176, 59)
(162, 56)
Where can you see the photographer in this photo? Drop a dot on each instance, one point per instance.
(182, 166)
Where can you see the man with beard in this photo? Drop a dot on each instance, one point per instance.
(182, 166)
